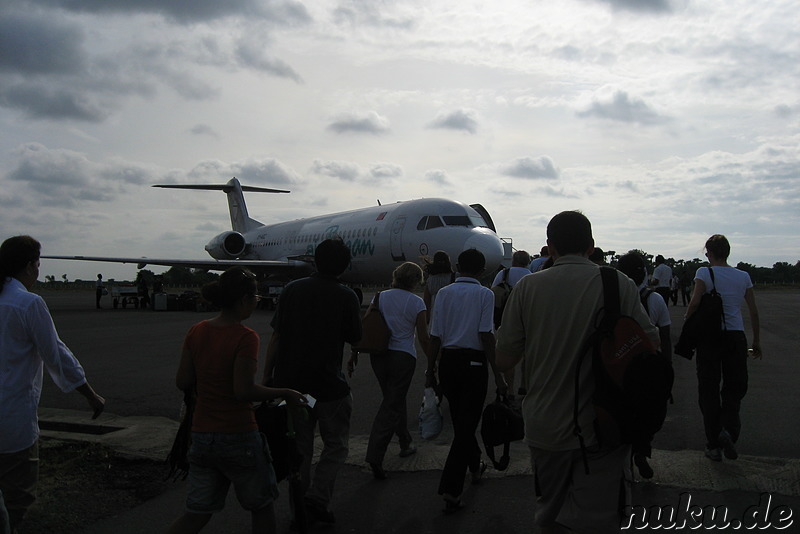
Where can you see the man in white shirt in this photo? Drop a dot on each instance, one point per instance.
(662, 276)
(462, 327)
(28, 343)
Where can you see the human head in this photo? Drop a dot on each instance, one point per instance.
(471, 262)
(332, 257)
(520, 259)
(570, 232)
(544, 251)
(99, 276)
(660, 259)
(632, 265)
(440, 264)
(17, 255)
(232, 286)
(407, 276)
(719, 246)
(598, 256)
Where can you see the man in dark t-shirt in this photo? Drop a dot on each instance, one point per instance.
(315, 317)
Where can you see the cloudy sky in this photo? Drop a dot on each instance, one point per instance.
(665, 121)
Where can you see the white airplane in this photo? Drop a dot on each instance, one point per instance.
(380, 238)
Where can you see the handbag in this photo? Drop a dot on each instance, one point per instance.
(501, 423)
(705, 324)
(275, 422)
(375, 332)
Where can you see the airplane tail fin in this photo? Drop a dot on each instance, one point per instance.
(240, 219)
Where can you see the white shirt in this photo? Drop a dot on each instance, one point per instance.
(463, 310)
(400, 309)
(28, 342)
(731, 284)
(657, 309)
(662, 273)
(514, 276)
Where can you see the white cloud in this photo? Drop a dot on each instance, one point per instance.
(360, 122)
(460, 119)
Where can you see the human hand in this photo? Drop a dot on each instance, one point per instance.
(97, 404)
(755, 352)
(295, 398)
(352, 363)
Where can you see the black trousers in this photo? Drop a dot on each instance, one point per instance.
(394, 371)
(464, 377)
(722, 362)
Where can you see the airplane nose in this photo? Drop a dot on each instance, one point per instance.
(491, 247)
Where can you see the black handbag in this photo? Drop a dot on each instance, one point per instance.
(375, 332)
(501, 423)
(706, 324)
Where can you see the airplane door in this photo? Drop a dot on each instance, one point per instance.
(396, 239)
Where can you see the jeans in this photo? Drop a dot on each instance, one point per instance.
(333, 419)
(394, 371)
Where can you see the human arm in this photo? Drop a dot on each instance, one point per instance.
(426, 297)
(666, 341)
(185, 377)
(488, 340)
(755, 322)
(96, 402)
(432, 357)
(245, 388)
(269, 359)
(422, 332)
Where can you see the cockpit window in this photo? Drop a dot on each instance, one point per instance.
(434, 222)
(421, 223)
(457, 220)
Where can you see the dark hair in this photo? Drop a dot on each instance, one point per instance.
(332, 257)
(598, 255)
(234, 284)
(660, 259)
(520, 259)
(15, 254)
(570, 232)
(440, 265)
(632, 265)
(471, 261)
(719, 246)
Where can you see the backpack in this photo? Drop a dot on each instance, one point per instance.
(501, 423)
(633, 382)
(644, 296)
(706, 324)
(501, 292)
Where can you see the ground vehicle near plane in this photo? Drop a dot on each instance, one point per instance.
(380, 238)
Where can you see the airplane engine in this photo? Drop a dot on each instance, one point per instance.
(227, 246)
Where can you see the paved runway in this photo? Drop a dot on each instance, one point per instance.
(131, 357)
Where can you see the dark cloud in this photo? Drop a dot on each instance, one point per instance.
(373, 13)
(249, 54)
(369, 122)
(531, 168)
(645, 6)
(783, 111)
(278, 12)
(346, 171)
(63, 177)
(438, 177)
(385, 171)
(32, 45)
(460, 119)
(204, 129)
(269, 172)
(622, 108)
(42, 102)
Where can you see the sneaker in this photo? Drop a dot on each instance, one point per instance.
(727, 445)
(714, 453)
(644, 467)
(408, 451)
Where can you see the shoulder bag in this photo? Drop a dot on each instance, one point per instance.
(375, 332)
(705, 324)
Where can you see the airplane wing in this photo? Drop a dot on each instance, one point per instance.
(261, 266)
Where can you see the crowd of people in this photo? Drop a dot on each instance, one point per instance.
(464, 339)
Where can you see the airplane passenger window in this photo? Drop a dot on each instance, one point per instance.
(434, 222)
(421, 223)
(456, 220)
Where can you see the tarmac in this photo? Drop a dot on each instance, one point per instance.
(751, 492)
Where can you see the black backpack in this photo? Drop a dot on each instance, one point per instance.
(633, 382)
(707, 323)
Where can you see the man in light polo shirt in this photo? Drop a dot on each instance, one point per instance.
(547, 321)
(462, 330)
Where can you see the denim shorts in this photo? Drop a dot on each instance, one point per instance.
(216, 460)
